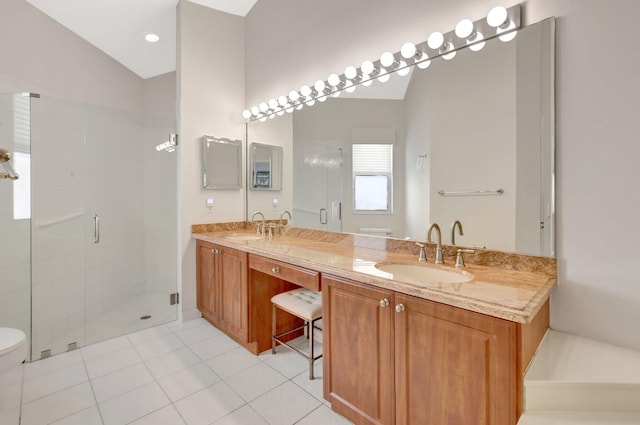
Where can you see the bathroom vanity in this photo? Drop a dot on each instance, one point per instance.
(396, 350)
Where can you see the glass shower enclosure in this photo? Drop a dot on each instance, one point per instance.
(92, 223)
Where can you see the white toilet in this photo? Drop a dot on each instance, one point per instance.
(13, 348)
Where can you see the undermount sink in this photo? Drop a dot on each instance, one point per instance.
(425, 274)
(244, 237)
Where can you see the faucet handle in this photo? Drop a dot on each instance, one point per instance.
(423, 255)
(460, 259)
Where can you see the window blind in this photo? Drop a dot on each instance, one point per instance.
(372, 158)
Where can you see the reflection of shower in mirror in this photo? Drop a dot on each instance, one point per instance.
(5, 157)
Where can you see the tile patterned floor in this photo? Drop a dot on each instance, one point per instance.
(177, 374)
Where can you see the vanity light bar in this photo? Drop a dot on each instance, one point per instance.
(500, 22)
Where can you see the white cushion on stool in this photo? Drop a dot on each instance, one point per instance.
(301, 302)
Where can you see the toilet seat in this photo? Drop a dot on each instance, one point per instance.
(13, 348)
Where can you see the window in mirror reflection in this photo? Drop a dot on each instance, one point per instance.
(372, 178)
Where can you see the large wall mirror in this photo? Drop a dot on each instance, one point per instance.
(472, 140)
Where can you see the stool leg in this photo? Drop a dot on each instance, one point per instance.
(311, 355)
(273, 331)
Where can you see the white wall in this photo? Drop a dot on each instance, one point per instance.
(210, 101)
(596, 102)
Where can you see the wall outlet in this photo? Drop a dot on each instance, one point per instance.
(209, 205)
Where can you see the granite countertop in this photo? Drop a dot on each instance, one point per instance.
(507, 294)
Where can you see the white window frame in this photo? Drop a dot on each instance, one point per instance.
(383, 167)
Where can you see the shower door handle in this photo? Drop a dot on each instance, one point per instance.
(96, 228)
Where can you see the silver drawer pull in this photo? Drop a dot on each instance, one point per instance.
(384, 302)
(275, 270)
(399, 308)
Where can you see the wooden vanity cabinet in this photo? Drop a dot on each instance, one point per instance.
(222, 288)
(391, 358)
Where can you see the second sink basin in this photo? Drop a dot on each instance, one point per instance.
(425, 274)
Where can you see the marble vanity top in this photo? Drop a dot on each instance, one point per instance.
(507, 294)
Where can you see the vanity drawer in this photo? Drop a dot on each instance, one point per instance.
(294, 274)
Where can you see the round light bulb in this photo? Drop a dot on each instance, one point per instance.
(322, 98)
(404, 69)
(478, 43)
(333, 80)
(255, 110)
(367, 67)
(319, 86)
(263, 119)
(447, 47)
(350, 72)
(152, 38)
(367, 83)
(311, 102)
(408, 50)
(299, 106)
(273, 104)
(387, 59)
(497, 16)
(280, 112)
(283, 101)
(336, 94)
(435, 40)
(294, 95)
(246, 114)
(464, 28)
(263, 107)
(349, 87)
(508, 37)
(305, 91)
(384, 78)
(290, 109)
(424, 64)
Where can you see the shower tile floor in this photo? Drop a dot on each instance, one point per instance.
(176, 374)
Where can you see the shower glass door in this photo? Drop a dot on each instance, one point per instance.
(317, 198)
(103, 225)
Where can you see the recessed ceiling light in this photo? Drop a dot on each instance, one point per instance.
(151, 38)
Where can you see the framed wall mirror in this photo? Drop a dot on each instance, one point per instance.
(265, 167)
(478, 128)
(221, 163)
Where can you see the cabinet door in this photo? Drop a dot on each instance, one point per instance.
(207, 255)
(358, 350)
(453, 366)
(232, 290)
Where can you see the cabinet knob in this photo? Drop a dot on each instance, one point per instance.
(275, 270)
(384, 302)
(399, 308)
(216, 251)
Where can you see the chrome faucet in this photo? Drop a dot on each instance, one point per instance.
(453, 231)
(260, 228)
(282, 215)
(432, 226)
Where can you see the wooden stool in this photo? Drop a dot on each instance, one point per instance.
(305, 304)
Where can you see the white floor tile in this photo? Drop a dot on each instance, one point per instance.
(323, 416)
(172, 362)
(255, 381)
(149, 334)
(198, 333)
(122, 381)
(90, 416)
(133, 405)
(158, 346)
(40, 367)
(105, 347)
(287, 362)
(232, 362)
(312, 386)
(58, 405)
(188, 381)
(209, 405)
(212, 347)
(243, 416)
(177, 325)
(99, 366)
(166, 416)
(54, 381)
(284, 405)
